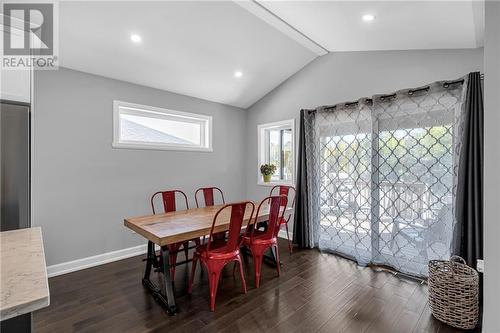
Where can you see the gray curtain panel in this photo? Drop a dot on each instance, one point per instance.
(302, 231)
(377, 178)
(469, 198)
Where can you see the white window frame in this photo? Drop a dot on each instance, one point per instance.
(132, 108)
(262, 146)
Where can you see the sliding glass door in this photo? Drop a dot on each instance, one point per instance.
(414, 195)
(386, 176)
(345, 182)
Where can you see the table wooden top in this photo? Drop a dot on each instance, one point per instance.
(23, 275)
(183, 225)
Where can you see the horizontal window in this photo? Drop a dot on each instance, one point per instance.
(147, 127)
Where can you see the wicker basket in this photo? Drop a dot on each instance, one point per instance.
(454, 292)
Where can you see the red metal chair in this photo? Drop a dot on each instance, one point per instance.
(259, 241)
(285, 191)
(169, 205)
(208, 195)
(217, 253)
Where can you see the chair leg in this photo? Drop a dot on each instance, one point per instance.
(288, 237)
(213, 279)
(257, 260)
(193, 271)
(257, 253)
(277, 259)
(242, 275)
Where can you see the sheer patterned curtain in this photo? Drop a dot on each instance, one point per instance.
(382, 175)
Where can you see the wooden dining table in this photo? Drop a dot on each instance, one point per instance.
(181, 226)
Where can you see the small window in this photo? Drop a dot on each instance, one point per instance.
(146, 127)
(277, 147)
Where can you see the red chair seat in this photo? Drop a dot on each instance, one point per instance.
(217, 251)
(259, 237)
(259, 240)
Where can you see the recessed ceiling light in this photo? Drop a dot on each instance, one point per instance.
(368, 17)
(238, 74)
(135, 38)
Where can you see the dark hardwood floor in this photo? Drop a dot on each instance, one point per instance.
(315, 293)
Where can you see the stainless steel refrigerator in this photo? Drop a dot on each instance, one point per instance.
(15, 183)
(15, 165)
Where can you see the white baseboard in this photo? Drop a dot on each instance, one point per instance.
(100, 259)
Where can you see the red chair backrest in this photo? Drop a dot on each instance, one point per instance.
(284, 190)
(168, 200)
(277, 206)
(208, 195)
(235, 224)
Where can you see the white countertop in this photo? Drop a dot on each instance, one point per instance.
(23, 274)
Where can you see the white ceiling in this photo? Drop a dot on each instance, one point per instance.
(194, 47)
(399, 25)
(191, 48)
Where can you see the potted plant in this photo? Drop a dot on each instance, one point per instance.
(267, 170)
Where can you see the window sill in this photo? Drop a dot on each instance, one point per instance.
(270, 184)
(121, 145)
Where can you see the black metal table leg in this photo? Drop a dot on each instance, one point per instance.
(166, 299)
(169, 288)
(149, 261)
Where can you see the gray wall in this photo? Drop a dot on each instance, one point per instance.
(491, 319)
(347, 76)
(82, 188)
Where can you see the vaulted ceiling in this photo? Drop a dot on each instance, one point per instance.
(396, 25)
(196, 47)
